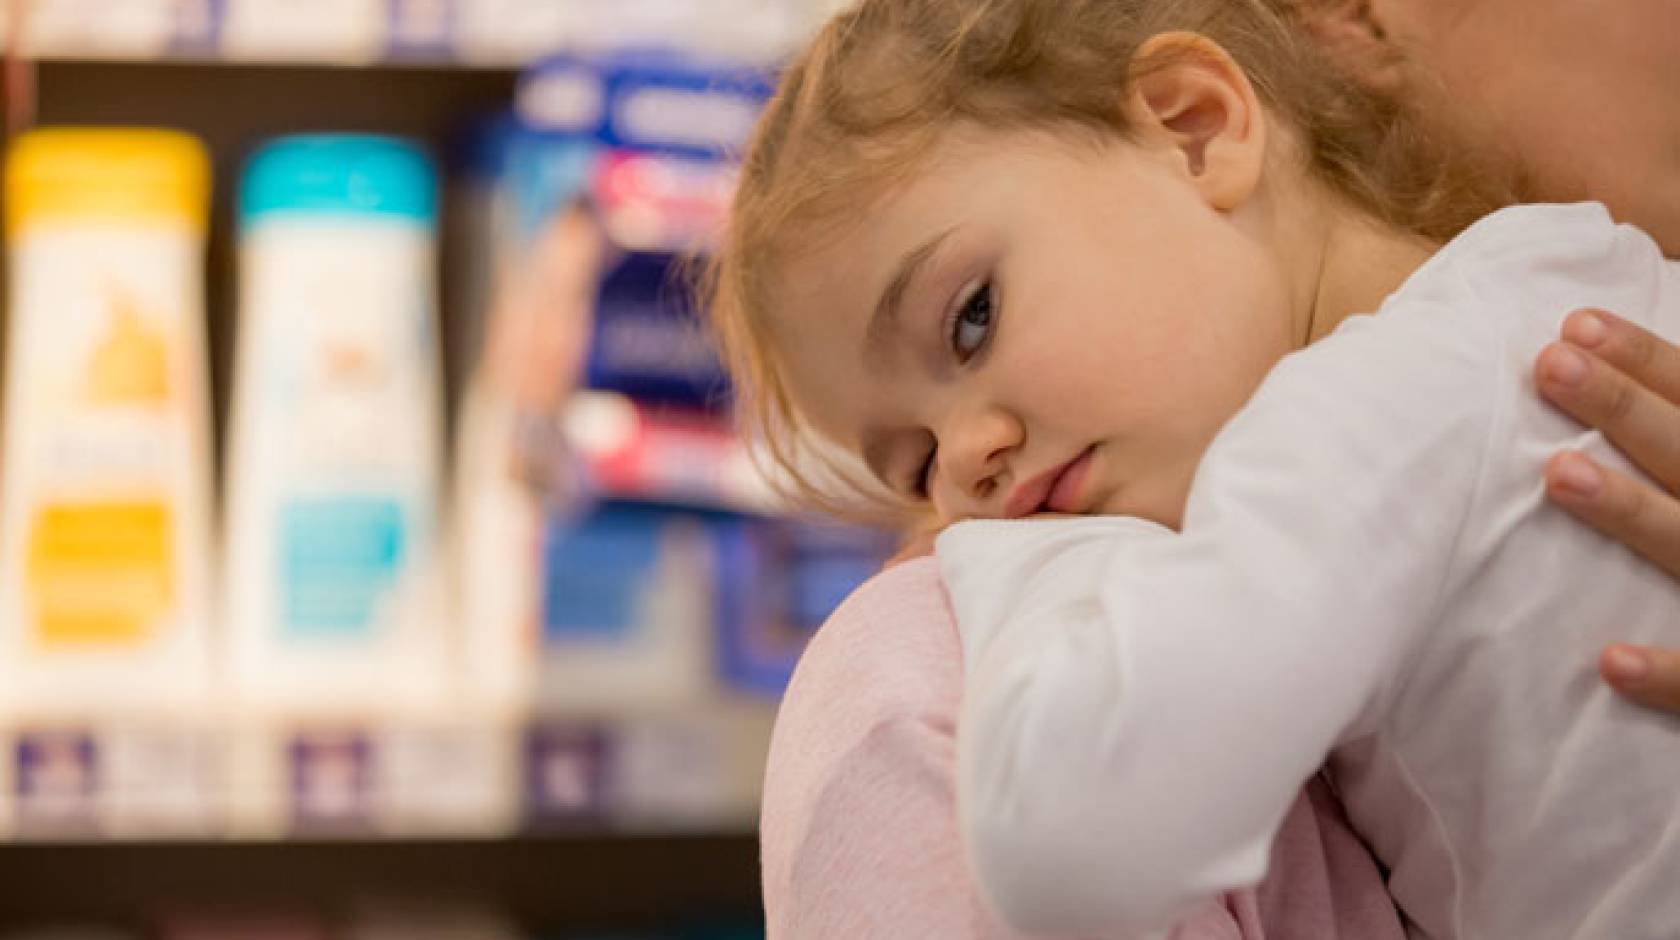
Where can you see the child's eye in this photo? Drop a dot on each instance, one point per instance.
(971, 326)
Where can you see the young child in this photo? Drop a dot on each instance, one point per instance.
(1104, 258)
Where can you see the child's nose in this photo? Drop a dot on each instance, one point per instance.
(974, 459)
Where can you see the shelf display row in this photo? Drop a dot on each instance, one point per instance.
(498, 33)
(399, 777)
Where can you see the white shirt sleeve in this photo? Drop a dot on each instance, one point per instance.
(1141, 705)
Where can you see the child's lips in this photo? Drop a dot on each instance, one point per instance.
(1026, 498)
(1050, 490)
(1064, 496)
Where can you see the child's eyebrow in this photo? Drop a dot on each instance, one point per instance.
(885, 319)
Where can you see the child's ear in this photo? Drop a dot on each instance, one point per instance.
(1189, 94)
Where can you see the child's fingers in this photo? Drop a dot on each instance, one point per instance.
(1628, 510)
(1639, 421)
(1642, 356)
(1650, 677)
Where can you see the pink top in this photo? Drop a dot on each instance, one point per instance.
(859, 830)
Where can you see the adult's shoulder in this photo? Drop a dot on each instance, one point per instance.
(890, 648)
(1537, 262)
(888, 655)
(1471, 318)
(858, 831)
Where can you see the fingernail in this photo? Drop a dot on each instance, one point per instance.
(1565, 366)
(1585, 328)
(1578, 475)
(1626, 664)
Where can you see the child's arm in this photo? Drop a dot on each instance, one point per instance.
(1141, 705)
(859, 832)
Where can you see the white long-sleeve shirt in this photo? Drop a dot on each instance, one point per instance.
(1369, 572)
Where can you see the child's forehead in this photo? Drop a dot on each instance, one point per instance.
(837, 252)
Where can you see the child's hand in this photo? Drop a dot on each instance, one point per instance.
(1625, 382)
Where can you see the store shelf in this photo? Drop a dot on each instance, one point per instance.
(395, 778)
(542, 815)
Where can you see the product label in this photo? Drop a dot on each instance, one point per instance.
(340, 558)
(103, 441)
(450, 779)
(56, 780)
(160, 781)
(331, 777)
(566, 773)
(676, 770)
(420, 27)
(100, 572)
(340, 358)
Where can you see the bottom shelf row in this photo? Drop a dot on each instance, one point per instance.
(697, 770)
(576, 887)
(396, 923)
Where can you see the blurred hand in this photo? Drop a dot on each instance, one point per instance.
(1625, 382)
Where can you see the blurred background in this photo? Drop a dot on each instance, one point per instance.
(376, 556)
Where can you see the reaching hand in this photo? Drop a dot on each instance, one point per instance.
(1625, 382)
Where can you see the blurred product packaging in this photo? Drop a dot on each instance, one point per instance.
(333, 600)
(341, 655)
(105, 568)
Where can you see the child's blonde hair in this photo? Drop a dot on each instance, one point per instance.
(870, 95)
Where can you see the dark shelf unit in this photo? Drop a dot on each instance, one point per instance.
(581, 881)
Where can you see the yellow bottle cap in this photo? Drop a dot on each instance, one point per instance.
(117, 173)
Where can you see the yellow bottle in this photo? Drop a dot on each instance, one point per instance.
(105, 492)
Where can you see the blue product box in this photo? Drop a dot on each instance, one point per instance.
(696, 111)
(780, 579)
(626, 608)
(671, 125)
(648, 342)
(544, 173)
(596, 567)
